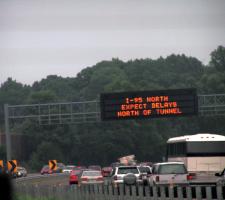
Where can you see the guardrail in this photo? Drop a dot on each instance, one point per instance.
(108, 192)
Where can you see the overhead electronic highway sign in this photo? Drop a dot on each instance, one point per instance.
(148, 104)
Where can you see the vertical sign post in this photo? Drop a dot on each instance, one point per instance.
(7, 133)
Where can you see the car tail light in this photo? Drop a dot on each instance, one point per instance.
(115, 178)
(84, 179)
(157, 178)
(190, 177)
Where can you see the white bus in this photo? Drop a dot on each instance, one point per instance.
(200, 152)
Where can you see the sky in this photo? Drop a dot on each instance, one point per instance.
(61, 37)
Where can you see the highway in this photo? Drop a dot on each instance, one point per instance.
(47, 179)
(63, 179)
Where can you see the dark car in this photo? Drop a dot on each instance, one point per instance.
(145, 173)
(106, 171)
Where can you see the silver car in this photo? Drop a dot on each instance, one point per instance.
(21, 172)
(169, 173)
(221, 180)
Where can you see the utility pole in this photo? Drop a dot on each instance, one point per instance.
(7, 133)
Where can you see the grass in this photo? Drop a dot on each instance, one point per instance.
(24, 197)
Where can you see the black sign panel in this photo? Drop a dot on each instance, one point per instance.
(148, 104)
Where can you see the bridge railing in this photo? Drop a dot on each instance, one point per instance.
(109, 192)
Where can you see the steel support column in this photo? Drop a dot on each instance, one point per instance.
(7, 133)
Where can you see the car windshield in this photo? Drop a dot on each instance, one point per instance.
(126, 170)
(144, 170)
(46, 167)
(69, 167)
(91, 173)
(172, 169)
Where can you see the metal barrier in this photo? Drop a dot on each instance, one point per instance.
(103, 192)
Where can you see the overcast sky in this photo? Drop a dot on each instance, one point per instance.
(43, 37)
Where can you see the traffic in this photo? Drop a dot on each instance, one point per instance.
(186, 165)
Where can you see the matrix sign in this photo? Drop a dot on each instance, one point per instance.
(148, 104)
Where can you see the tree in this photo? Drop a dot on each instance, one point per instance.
(46, 96)
(46, 151)
(218, 59)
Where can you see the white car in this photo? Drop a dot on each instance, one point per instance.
(68, 169)
(128, 174)
(169, 173)
(90, 177)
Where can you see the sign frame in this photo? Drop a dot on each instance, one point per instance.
(109, 102)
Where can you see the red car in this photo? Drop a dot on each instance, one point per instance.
(46, 170)
(106, 171)
(74, 176)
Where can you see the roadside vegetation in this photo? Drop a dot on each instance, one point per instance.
(22, 197)
(103, 143)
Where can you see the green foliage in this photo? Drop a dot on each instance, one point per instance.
(46, 151)
(102, 143)
(44, 96)
(218, 59)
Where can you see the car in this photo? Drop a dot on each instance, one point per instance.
(21, 172)
(59, 169)
(145, 171)
(90, 177)
(45, 170)
(74, 176)
(221, 180)
(68, 168)
(129, 175)
(106, 171)
(169, 173)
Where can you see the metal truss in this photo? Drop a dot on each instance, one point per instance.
(57, 113)
(213, 104)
